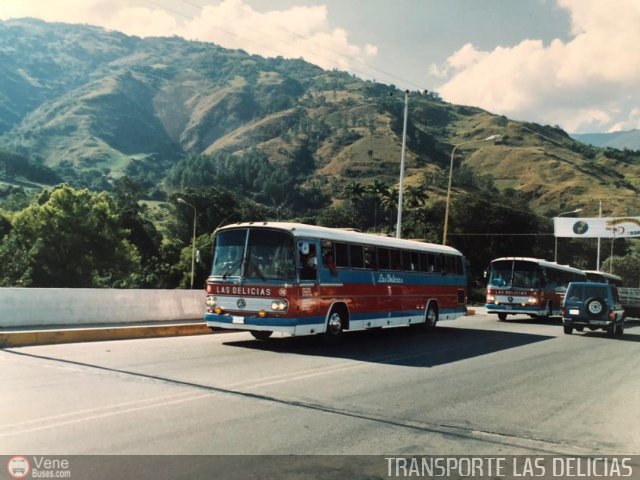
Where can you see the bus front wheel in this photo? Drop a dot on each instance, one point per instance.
(502, 317)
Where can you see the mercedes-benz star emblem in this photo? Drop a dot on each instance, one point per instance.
(241, 303)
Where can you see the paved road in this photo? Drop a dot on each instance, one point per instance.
(473, 386)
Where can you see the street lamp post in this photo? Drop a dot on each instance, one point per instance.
(193, 243)
(446, 209)
(555, 250)
(402, 157)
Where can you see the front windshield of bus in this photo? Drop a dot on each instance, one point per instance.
(269, 255)
(514, 274)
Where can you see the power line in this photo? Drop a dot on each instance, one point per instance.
(348, 57)
(279, 52)
(189, 17)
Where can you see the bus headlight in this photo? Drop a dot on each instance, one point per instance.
(532, 300)
(279, 305)
(490, 298)
(211, 301)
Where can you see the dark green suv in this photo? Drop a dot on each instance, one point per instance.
(594, 306)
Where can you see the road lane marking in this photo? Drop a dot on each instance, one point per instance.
(104, 415)
(89, 410)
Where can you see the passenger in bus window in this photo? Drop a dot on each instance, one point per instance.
(330, 263)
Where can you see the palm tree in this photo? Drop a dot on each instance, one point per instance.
(355, 191)
(389, 204)
(415, 196)
(376, 188)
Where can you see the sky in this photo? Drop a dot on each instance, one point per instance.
(571, 63)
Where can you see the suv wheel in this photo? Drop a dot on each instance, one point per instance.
(568, 329)
(595, 307)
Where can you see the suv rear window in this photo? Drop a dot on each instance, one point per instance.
(583, 292)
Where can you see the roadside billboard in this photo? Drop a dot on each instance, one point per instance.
(599, 227)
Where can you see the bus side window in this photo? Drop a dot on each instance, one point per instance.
(342, 255)
(459, 266)
(329, 257)
(415, 261)
(370, 258)
(357, 256)
(424, 262)
(396, 260)
(406, 260)
(383, 258)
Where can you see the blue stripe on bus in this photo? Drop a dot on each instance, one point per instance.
(408, 279)
(315, 319)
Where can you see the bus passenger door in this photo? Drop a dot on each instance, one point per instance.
(308, 266)
(309, 299)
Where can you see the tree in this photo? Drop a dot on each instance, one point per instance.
(627, 267)
(355, 191)
(68, 238)
(389, 204)
(377, 188)
(415, 198)
(141, 232)
(335, 217)
(5, 226)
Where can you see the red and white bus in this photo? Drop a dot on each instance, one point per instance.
(531, 286)
(302, 279)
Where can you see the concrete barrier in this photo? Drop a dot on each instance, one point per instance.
(45, 307)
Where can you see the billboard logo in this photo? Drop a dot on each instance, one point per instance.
(18, 467)
(616, 230)
(580, 228)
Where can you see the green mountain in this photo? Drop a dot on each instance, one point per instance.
(624, 139)
(91, 105)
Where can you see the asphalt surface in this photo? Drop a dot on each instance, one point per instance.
(473, 386)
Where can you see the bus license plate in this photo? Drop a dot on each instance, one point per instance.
(235, 319)
(574, 311)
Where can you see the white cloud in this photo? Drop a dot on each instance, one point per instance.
(588, 83)
(299, 32)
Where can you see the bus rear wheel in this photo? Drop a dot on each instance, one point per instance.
(431, 318)
(335, 324)
(261, 334)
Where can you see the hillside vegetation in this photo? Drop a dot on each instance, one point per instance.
(93, 105)
(276, 139)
